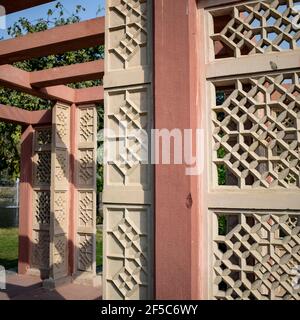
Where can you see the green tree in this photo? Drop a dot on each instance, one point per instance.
(10, 134)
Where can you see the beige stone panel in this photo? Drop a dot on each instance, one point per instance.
(257, 131)
(40, 250)
(60, 256)
(42, 168)
(41, 201)
(86, 155)
(41, 210)
(252, 221)
(128, 111)
(128, 252)
(61, 209)
(259, 28)
(86, 168)
(62, 126)
(127, 36)
(60, 193)
(255, 255)
(87, 125)
(61, 168)
(86, 212)
(128, 173)
(86, 256)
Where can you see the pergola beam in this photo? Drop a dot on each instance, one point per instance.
(64, 75)
(89, 95)
(53, 41)
(24, 117)
(14, 78)
(17, 79)
(14, 6)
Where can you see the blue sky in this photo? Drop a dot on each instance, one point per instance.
(35, 13)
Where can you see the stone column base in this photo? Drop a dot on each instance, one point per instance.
(86, 279)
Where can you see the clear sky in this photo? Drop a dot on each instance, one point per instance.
(35, 13)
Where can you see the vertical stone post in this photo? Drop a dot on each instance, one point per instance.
(40, 213)
(85, 197)
(60, 195)
(25, 209)
(128, 194)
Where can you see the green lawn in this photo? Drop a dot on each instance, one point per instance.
(9, 248)
(99, 250)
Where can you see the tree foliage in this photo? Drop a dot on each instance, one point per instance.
(10, 134)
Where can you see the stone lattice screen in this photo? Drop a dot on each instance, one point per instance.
(64, 197)
(60, 191)
(255, 28)
(253, 116)
(86, 144)
(128, 194)
(41, 200)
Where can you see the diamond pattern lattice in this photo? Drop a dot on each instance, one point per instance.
(255, 256)
(256, 27)
(59, 256)
(86, 209)
(86, 167)
(85, 259)
(61, 125)
(134, 271)
(132, 123)
(42, 207)
(40, 249)
(257, 132)
(130, 17)
(60, 211)
(44, 137)
(43, 168)
(87, 125)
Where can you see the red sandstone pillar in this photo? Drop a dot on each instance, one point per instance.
(177, 236)
(25, 211)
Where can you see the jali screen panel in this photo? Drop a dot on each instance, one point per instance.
(254, 150)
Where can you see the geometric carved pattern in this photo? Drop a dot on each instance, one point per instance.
(128, 33)
(86, 195)
(128, 122)
(256, 28)
(62, 126)
(86, 209)
(40, 249)
(256, 256)
(41, 199)
(44, 137)
(85, 252)
(86, 167)
(60, 197)
(42, 207)
(61, 166)
(130, 249)
(60, 211)
(86, 124)
(257, 132)
(43, 168)
(127, 192)
(59, 255)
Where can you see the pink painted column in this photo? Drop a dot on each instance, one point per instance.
(177, 196)
(25, 212)
(73, 199)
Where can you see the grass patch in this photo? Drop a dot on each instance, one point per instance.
(9, 242)
(99, 248)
